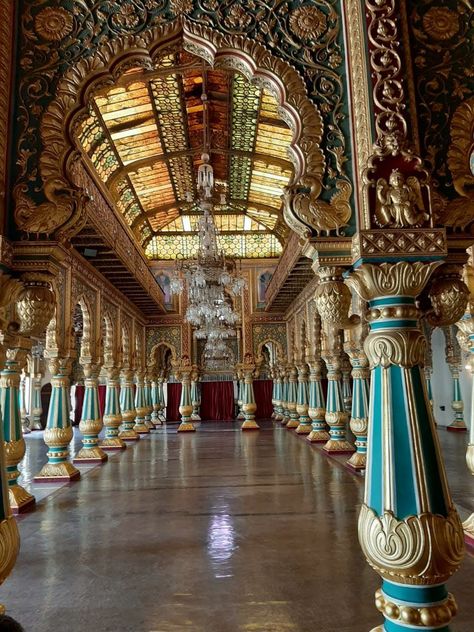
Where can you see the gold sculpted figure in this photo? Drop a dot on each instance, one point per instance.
(399, 201)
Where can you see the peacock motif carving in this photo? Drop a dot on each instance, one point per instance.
(323, 217)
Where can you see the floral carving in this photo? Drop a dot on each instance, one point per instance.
(126, 16)
(308, 22)
(53, 24)
(180, 7)
(237, 17)
(441, 23)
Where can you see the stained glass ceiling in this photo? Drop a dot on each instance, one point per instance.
(144, 138)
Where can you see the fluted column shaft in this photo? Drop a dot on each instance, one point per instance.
(36, 404)
(112, 413)
(457, 404)
(20, 499)
(148, 403)
(240, 398)
(278, 397)
(127, 432)
(91, 421)
(292, 397)
(336, 415)
(317, 405)
(58, 432)
(360, 409)
(249, 407)
(185, 404)
(195, 400)
(140, 405)
(284, 400)
(25, 422)
(409, 530)
(302, 403)
(156, 401)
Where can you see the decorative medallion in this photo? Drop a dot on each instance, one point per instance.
(308, 22)
(179, 7)
(441, 23)
(54, 24)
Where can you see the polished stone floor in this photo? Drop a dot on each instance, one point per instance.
(216, 531)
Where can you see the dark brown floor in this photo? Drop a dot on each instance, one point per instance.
(217, 531)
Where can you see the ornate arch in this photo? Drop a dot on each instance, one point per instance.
(125, 346)
(87, 325)
(108, 342)
(65, 209)
(278, 346)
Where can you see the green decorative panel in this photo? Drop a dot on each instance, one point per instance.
(442, 50)
(171, 334)
(269, 331)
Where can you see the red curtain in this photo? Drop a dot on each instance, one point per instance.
(262, 390)
(172, 404)
(78, 401)
(217, 401)
(102, 388)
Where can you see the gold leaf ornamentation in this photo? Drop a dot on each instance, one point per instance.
(9, 546)
(53, 24)
(421, 550)
(441, 23)
(308, 22)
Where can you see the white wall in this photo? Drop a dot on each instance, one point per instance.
(442, 384)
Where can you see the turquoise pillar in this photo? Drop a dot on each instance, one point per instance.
(161, 400)
(148, 403)
(302, 401)
(156, 401)
(457, 404)
(278, 397)
(185, 404)
(317, 405)
(91, 422)
(20, 499)
(284, 400)
(249, 407)
(112, 413)
(336, 415)
(195, 400)
(127, 407)
(408, 527)
(58, 433)
(346, 384)
(360, 407)
(140, 426)
(240, 398)
(36, 404)
(25, 422)
(292, 396)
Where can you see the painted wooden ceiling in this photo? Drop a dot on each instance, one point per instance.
(144, 139)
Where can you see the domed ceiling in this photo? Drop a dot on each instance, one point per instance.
(143, 137)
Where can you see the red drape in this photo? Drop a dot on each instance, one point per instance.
(102, 388)
(217, 401)
(78, 401)
(172, 405)
(262, 390)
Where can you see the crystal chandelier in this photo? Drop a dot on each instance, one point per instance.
(211, 278)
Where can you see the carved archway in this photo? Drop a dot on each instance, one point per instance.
(278, 352)
(125, 350)
(108, 339)
(64, 211)
(86, 334)
(157, 360)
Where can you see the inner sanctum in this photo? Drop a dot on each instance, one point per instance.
(236, 315)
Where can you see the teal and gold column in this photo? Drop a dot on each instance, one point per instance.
(112, 413)
(148, 403)
(156, 400)
(354, 347)
(316, 404)
(249, 407)
(36, 404)
(141, 408)
(285, 413)
(20, 499)
(346, 371)
(25, 422)
(302, 402)
(409, 529)
(127, 407)
(240, 394)
(185, 404)
(336, 415)
(58, 433)
(91, 420)
(195, 396)
(457, 404)
(291, 399)
(278, 395)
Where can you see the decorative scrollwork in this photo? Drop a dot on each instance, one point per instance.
(406, 349)
(421, 550)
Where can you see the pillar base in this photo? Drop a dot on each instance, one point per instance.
(338, 447)
(141, 428)
(113, 443)
(20, 499)
(128, 435)
(158, 424)
(195, 417)
(57, 473)
(304, 429)
(25, 430)
(284, 421)
(150, 425)
(250, 424)
(357, 462)
(457, 426)
(292, 423)
(241, 416)
(318, 436)
(90, 455)
(186, 426)
(379, 628)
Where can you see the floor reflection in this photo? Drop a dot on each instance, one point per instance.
(221, 544)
